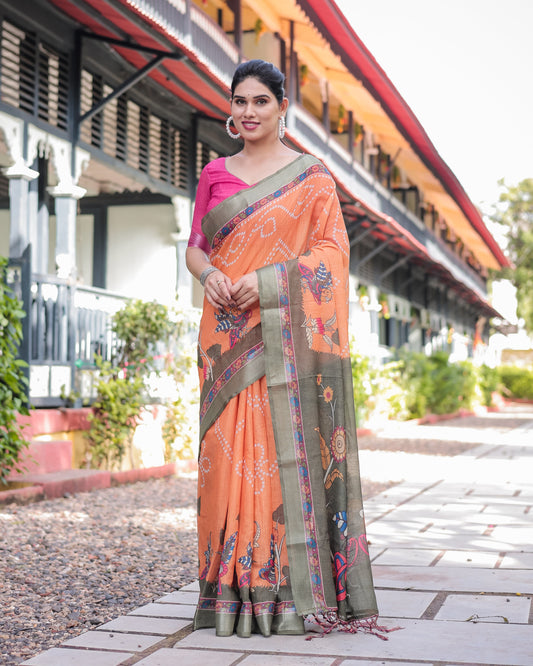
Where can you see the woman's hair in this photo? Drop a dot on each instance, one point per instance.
(263, 71)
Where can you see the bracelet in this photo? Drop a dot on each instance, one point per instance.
(205, 273)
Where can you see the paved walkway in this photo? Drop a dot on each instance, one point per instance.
(452, 550)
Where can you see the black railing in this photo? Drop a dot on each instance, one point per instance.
(70, 323)
(65, 326)
(93, 311)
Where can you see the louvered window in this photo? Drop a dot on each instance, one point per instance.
(18, 67)
(204, 155)
(154, 146)
(109, 129)
(369, 272)
(144, 150)
(121, 128)
(180, 160)
(130, 132)
(165, 165)
(33, 76)
(86, 103)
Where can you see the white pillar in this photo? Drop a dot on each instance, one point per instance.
(66, 193)
(66, 202)
(19, 176)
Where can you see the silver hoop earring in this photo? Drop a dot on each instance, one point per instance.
(282, 127)
(231, 134)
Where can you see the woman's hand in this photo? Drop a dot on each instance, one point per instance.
(245, 292)
(217, 288)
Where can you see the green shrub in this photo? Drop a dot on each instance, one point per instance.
(415, 380)
(446, 385)
(416, 385)
(517, 382)
(377, 390)
(13, 382)
(139, 326)
(177, 431)
(114, 417)
(428, 384)
(389, 386)
(121, 386)
(362, 387)
(470, 392)
(489, 383)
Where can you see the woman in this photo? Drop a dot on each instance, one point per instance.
(280, 518)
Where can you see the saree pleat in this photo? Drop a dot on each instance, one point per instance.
(243, 585)
(280, 514)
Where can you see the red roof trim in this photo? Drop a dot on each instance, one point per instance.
(216, 95)
(406, 243)
(358, 59)
(79, 15)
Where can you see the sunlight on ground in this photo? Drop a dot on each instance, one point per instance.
(486, 435)
(182, 518)
(399, 466)
(48, 516)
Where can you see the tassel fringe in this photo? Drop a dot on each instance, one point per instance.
(327, 622)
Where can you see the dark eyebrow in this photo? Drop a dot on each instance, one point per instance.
(264, 95)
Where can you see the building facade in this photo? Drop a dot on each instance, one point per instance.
(109, 109)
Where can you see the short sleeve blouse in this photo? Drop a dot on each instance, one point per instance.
(216, 184)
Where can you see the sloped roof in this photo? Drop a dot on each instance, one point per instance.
(329, 20)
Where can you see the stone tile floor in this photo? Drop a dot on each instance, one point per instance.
(452, 551)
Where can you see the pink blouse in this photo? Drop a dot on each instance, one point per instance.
(216, 184)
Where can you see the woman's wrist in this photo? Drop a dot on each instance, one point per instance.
(205, 273)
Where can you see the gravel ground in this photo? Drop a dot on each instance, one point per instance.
(70, 564)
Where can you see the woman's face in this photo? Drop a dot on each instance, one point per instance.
(256, 110)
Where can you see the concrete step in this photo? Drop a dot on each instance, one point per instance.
(57, 484)
(43, 457)
(34, 487)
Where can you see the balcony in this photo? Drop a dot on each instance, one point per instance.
(311, 133)
(190, 26)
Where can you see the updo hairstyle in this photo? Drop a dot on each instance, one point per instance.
(263, 71)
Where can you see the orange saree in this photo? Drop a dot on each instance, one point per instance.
(280, 516)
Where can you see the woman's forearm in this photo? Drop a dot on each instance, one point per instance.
(216, 285)
(197, 261)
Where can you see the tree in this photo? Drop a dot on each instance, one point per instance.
(515, 213)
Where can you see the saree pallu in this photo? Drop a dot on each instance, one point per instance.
(280, 515)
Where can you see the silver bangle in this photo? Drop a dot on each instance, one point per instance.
(205, 273)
